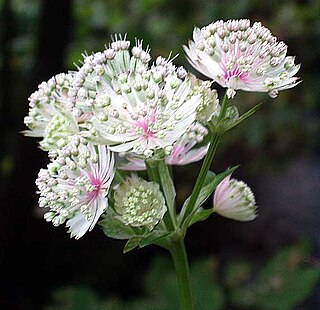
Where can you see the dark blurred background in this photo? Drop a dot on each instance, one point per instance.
(278, 150)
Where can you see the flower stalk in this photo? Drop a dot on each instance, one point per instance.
(179, 256)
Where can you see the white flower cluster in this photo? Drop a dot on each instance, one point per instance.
(75, 185)
(121, 102)
(239, 56)
(115, 102)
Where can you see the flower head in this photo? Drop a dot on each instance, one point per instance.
(239, 56)
(49, 114)
(135, 106)
(234, 199)
(139, 203)
(75, 185)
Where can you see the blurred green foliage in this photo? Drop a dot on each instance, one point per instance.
(284, 281)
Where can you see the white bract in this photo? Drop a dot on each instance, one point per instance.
(239, 56)
(75, 185)
(234, 199)
(139, 203)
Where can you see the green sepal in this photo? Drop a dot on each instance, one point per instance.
(114, 228)
(132, 244)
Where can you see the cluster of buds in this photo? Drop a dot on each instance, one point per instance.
(139, 203)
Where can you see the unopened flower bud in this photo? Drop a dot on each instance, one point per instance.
(234, 199)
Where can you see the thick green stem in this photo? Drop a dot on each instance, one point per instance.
(179, 256)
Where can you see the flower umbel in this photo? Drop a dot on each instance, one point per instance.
(139, 203)
(234, 199)
(137, 107)
(239, 56)
(75, 185)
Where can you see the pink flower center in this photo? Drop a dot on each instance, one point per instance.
(96, 183)
(228, 74)
(144, 124)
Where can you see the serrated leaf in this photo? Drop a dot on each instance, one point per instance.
(131, 244)
(114, 228)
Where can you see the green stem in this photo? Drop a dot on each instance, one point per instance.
(215, 140)
(179, 256)
(203, 172)
(158, 171)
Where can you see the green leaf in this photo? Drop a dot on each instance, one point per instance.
(114, 228)
(208, 293)
(286, 260)
(200, 215)
(158, 172)
(131, 244)
(154, 236)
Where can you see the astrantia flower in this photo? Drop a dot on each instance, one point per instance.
(234, 199)
(75, 185)
(183, 152)
(239, 56)
(136, 107)
(139, 203)
(49, 116)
